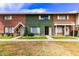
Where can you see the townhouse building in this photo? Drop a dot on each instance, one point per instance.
(39, 23)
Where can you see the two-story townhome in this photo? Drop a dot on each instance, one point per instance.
(39, 23)
(52, 23)
(12, 24)
(64, 23)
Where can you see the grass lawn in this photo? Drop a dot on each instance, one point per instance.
(64, 37)
(33, 37)
(5, 37)
(41, 48)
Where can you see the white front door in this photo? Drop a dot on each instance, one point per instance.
(21, 31)
(66, 30)
(50, 31)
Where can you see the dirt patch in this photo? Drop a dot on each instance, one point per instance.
(39, 48)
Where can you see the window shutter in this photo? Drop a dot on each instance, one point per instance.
(67, 17)
(39, 17)
(38, 30)
(6, 30)
(10, 17)
(58, 17)
(49, 17)
(12, 30)
(5, 17)
(31, 29)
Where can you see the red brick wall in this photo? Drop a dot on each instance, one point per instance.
(72, 17)
(15, 20)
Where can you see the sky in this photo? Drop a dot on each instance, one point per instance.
(39, 7)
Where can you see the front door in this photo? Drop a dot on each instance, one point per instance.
(19, 31)
(46, 30)
(66, 31)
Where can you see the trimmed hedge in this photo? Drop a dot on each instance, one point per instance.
(75, 33)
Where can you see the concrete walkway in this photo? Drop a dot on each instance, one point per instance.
(15, 38)
(49, 38)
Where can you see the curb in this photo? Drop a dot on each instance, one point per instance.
(59, 40)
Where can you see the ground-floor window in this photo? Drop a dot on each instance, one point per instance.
(35, 30)
(59, 30)
(8, 29)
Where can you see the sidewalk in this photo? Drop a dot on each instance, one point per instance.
(59, 40)
(15, 38)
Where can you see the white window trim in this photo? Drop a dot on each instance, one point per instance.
(10, 17)
(8, 28)
(58, 17)
(42, 18)
(38, 28)
(59, 29)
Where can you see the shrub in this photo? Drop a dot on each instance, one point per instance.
(25, 31)
(30, 34)
(75, 33)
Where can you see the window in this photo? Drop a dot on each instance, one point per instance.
(8, 29)
(7, 17)
(44, 17)
(59, 30)
(63, 17)
(35, 30)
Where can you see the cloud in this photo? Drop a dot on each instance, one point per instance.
(73, 11)
(18, 7)
(11, 7)
(40, 10)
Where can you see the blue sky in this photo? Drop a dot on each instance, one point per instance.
(39, 7)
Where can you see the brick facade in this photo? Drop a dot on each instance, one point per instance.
(67, 22)
(16, 18)
(20, 18)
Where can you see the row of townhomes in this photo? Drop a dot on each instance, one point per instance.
(39, 23)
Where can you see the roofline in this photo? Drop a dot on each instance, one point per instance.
(41, 13)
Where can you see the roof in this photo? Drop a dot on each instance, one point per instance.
(40, 13)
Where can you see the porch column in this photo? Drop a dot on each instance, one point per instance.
(50, 32)
(73, 30)
(78, 33)
(65, 30)
(56, 30)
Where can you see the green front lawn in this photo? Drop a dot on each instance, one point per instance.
(5, 37)
(33, 37)
(64, 37)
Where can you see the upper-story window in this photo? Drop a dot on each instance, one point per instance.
(8, 17)
(44, 17)
(63, 17)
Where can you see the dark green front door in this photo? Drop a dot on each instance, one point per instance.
(46, 30)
